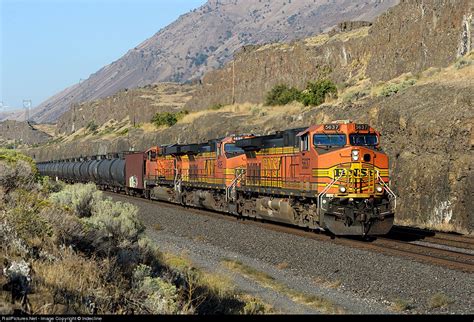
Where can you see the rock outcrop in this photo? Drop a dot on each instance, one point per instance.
(410, 37)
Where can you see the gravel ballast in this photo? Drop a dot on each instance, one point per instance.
(356, 280)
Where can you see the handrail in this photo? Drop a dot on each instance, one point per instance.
(234, 183)
(391, 194)
(325, 190)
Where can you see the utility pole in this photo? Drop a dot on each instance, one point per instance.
(233, 81)
(27, 106)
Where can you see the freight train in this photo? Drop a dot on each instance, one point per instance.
(331, 177)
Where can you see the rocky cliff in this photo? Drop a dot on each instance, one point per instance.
(135, 105)
(410, 37)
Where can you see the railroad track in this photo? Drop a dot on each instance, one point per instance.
(442, 249)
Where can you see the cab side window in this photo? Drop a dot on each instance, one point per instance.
(304, 143)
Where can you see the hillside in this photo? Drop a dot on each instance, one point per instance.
(410, 37)
(205, 39)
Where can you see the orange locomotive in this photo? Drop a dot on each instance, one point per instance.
(331, 176)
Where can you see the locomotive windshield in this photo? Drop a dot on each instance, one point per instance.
(329, 140)
(231, 150)
(363, 139)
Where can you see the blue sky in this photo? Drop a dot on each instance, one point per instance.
(48, 45)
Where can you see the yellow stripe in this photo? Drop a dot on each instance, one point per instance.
(279, 150)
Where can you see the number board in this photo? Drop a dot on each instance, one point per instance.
(361, 127)
(331, 127)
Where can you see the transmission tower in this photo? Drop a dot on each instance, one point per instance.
(27, 106)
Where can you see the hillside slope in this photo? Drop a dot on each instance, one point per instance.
(205, 39)
(409, 37)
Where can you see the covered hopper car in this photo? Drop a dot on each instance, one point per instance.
(332, 177)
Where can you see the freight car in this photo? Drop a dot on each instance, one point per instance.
(331, 177)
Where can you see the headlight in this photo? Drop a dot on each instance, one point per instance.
(342, 189)
(355, 155)
(379, 189)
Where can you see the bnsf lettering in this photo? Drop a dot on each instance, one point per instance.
(353, 172)
(271, 167)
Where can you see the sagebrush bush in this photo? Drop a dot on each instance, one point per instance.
(394, 88)
(19, 173)
(79, 197)
(117, 219)
(51, 186)
(161, 296)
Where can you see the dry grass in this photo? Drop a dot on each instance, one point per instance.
(200, 238)
(47, 128)
(400, 305)
(442, 227)
(439, 300)
(218, 283)
(328, 284)
(71, 272)
(283, 265)
(181, 262)
(321, 304)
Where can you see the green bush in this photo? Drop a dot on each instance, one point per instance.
(393, 88)
(316, 92)
(91, 126)
(354, 96)
(282, 95)
(216, 107)
(167, 118)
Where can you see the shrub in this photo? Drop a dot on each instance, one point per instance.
(354, 96)
(161, 296)
(282, 95)
(393, 88)
(253, 307)
(24, 217)
(461, 63)
(123, 132)
(167, 118)
(91, 126)
(316, 92)
(78, 197)
(439, 300)
(16, 170)
(51, 186)
(117, 219)
(216, 107)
